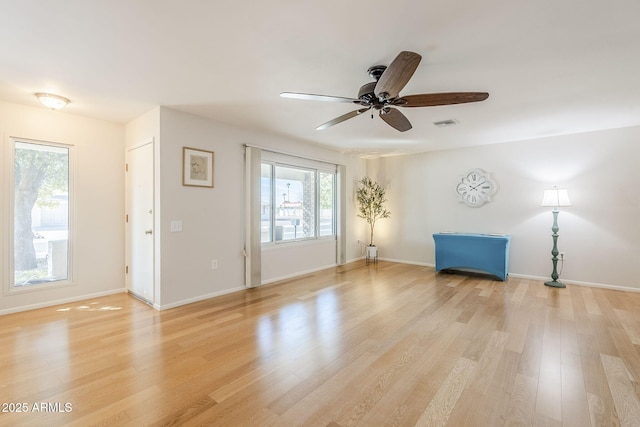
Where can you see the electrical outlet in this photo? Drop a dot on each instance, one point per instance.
(176, 226)
(214, 264)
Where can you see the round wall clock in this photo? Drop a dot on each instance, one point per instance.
(476, 188)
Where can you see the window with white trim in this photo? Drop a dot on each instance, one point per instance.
(297, 200)
(41, 202)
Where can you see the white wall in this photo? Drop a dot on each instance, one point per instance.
(357, 228)
(143, 128)
(600, 233)
(98, 244)
(213, 223)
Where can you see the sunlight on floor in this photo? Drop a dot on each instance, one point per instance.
(94, 306)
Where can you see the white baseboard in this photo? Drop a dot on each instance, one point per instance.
(197, 299)
(402, 261)
(60, 301)
(530, 277)
(576, 282)
(296, 274)
(236, 289)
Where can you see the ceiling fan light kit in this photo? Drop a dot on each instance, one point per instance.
(383, 94)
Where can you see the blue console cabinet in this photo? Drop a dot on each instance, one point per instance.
(485, 252)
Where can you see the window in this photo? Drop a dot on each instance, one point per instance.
(297, 202)
(296, 209)
(41, 213)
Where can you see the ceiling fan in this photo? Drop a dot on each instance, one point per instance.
(384, 94)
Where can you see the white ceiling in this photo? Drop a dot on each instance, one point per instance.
(551, 67)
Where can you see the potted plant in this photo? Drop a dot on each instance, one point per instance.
(371, 200)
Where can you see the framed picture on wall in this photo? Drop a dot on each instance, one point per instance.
(197, 167)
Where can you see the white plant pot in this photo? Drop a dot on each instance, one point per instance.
(372, 254)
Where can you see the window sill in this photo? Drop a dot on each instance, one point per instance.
(18, 290)
(300, 242)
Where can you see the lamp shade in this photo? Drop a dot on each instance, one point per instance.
(556, 197)
(55, 102)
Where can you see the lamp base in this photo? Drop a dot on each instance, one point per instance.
(555, 284)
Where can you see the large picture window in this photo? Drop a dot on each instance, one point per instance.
(297, 202)
(41, 213)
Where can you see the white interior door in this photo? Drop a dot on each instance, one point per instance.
(140, 222)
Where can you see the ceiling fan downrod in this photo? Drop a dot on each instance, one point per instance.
(376, 71)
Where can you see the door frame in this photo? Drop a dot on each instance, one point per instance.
(154, 301)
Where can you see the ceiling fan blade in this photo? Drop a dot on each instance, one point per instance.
(395, 119)
(435, 99)
(312, 97)
(397, 75)
(342, 118)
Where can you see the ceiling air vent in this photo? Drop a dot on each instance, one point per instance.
(445, 123)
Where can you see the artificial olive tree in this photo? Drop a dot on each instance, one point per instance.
(371, 200)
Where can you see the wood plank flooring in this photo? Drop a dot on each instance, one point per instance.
(379, 345)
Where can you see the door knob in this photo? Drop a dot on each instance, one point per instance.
(148, 232)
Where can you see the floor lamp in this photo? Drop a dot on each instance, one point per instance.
(556, 197)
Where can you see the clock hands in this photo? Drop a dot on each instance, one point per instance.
(478, 185)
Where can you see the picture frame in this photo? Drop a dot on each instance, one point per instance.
(197, 167)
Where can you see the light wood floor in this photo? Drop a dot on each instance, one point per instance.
(378, 345)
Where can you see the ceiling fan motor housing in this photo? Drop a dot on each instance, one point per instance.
(366, 92)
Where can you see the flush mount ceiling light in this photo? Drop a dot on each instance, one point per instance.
(55, 102)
